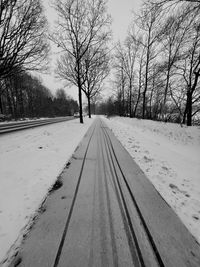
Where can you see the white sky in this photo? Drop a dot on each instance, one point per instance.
(121, 12)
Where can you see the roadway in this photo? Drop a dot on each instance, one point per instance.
(103, 211)
(23, 125)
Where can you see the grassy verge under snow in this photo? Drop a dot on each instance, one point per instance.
(169, 155)
(30, 162)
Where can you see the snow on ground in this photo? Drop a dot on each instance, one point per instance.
(169, 155)
(30, 162)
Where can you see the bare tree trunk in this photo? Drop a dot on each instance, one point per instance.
(1, 105)
(123, 103)
(151, 97)
(150, 105)
(165, 92)
(14, 106)
(189, 108)
(189, 98)
(30, 104)
(16, 92)
(185, 112)
(123, 112)
(9, 101)
(139, 86)
(136, 105)
(144, 105)
(130, 101)
(89, 108)
(138, 98)
(80, 101)
(21, 103)
(145, 85)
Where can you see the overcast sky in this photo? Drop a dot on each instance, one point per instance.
(121, 12)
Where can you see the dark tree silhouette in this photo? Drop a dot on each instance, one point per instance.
(23, 42)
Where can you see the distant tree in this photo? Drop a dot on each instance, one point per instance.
(60, 94)
(95, 101)
(120, 80)
(108, 107)
(125, 60)
(61, 104)
(26, 96)
(96, 65)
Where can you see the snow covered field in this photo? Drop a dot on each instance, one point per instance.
(30, 162)
(169, 155)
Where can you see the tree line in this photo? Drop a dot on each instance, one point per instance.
(82, 34)
(157, 68)
(24, 47)
(24, 96)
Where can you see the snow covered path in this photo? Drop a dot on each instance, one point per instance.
(30, 162)
(170, 157)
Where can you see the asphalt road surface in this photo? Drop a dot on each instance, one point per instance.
(23, 125)
(106, 213)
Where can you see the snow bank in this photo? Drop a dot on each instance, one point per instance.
(30, 162)
(169, 155)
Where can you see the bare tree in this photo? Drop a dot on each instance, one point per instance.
(140, 63)
(196, 3)
(120, 79)
(131, 50)
(148, 22)
(167, 66)
(171, 6)
(96, 70)
(23, 42)
(82, 24)
(120, 82)
(125, 57)
(173, 38)
(190, 70)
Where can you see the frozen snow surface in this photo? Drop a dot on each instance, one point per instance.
(30, 162)
(169, 155)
